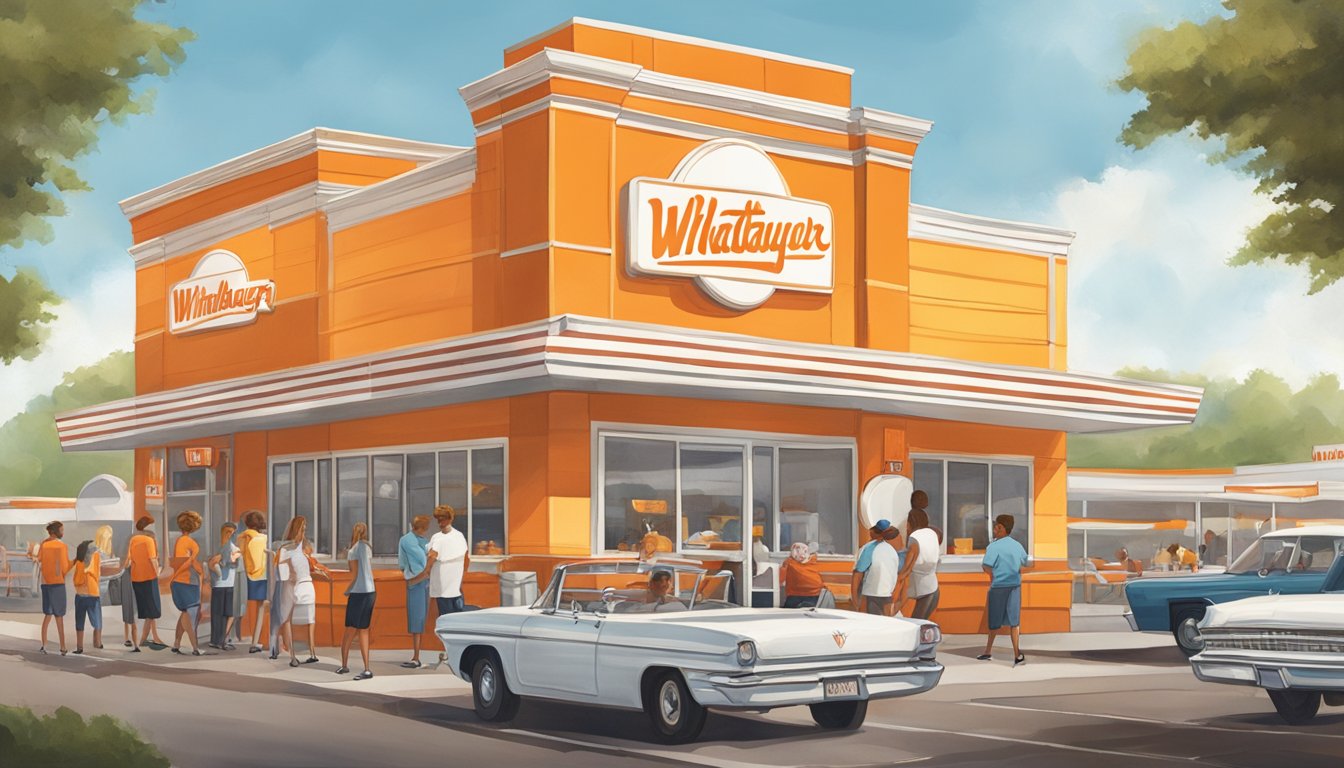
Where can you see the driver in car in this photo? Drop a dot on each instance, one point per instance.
(659, 595)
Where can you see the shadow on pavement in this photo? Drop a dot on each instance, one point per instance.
(1163, 657)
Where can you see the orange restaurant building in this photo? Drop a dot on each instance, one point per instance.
(676, 286)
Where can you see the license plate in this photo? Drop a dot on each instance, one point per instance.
(841, 689)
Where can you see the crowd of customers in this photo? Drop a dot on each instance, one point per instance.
(277, 579)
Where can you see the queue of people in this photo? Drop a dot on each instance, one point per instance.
(278, 582)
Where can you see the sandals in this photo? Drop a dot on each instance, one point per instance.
(136, 649)
(365, 675)
(128, 644)
(412, 664)
(42, 649)
(255, 649)
(343, 671)
(310, 660)
(293, 662)
(1020, 659)
(79, 651)
(984, 657)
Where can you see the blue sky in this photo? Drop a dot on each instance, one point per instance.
(1021, 94)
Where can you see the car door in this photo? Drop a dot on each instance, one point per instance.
(557, 652)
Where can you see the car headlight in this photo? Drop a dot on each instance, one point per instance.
(930, 634)
(746, 653)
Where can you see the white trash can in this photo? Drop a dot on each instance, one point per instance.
(517, 588)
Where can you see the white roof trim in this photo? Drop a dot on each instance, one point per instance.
(432, 181)
(282, 152)
(889, 124)
(570, 352)
(273, 212)
(675, 38)
(942, 226)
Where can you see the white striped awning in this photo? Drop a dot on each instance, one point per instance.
(570, 352)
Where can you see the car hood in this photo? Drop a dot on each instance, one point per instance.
(786, 633)
(1279, 612)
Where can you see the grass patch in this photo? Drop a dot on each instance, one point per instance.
(66, 739)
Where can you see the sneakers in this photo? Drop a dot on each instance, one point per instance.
(365, 675)
(984, 657)
(1020, 659)
(343, 671)
(310, 660)
(255, 649)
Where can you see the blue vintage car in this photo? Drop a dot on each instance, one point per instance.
(1292, 561)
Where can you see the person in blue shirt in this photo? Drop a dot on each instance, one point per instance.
(863, 563)
(413, 560)
(1004, 561)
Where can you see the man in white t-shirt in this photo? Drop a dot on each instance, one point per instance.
(882, 577)
(447, 562)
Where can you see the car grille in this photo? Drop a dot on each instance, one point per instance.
(1286, 640)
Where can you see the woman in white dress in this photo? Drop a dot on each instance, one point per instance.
(298, 600)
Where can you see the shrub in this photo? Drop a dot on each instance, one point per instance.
(65, 739)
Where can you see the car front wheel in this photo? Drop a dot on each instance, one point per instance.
(839, 715)
(490, 692)
(677, 717)
(1185, 628)
(1296, 707)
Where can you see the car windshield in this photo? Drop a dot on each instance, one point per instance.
(1277, 553)
(634, 587)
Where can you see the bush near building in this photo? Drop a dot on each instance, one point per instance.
(66, 739)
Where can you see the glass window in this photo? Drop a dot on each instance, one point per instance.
(1317, 553)
(387, 512)
(816, 499)
(352, 498)
(639, 490)
(967, 511)
(453, 480)
(1010, 486)
(711, 494)
(303, 496)
(763, 495)
(323, 534)
(420, 498)
(1246, 523)
(282, 499)
(487, 501)
(1143, 529)
(181, 478)
(929, 479)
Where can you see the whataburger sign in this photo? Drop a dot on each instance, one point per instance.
(726, 219)
(218, 294)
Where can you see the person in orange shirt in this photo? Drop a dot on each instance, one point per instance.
(143, 552)
(801, 578)
(186, 584)
(54, 558)
(88, 595)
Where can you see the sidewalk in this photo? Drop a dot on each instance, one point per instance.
(1104, 652)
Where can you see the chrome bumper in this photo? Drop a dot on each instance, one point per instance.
(1270, 674)
(784, 689)
(1129, 619)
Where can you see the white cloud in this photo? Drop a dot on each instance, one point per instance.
(1150, 284)
(89, 326)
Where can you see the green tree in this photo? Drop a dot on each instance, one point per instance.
(1259, 420)
(31, 460)
(24, 302)
(1268, 82)
(67, 68)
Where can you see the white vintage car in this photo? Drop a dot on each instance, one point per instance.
(663, 638)
(1290, 645)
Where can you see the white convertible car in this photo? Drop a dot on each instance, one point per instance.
(1290, 645)
(663, 639)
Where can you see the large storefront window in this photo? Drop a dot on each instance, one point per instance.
(1144, 529)
(385, 490)
(965, 495)
(694, 493)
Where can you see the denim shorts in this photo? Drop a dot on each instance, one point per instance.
(1004, 607)
(90, 606)
(53, 599)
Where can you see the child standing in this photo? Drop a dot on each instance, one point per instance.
(88, 595)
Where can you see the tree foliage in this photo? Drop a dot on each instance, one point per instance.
(31, 461)
(1269, 83)
(67, 67)
(64, 738)
(24, 314)
(1259, 420)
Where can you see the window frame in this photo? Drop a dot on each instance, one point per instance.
(403, 451)
(989, 460)
(747, 441)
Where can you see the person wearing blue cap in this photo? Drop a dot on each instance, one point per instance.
(863, 563)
